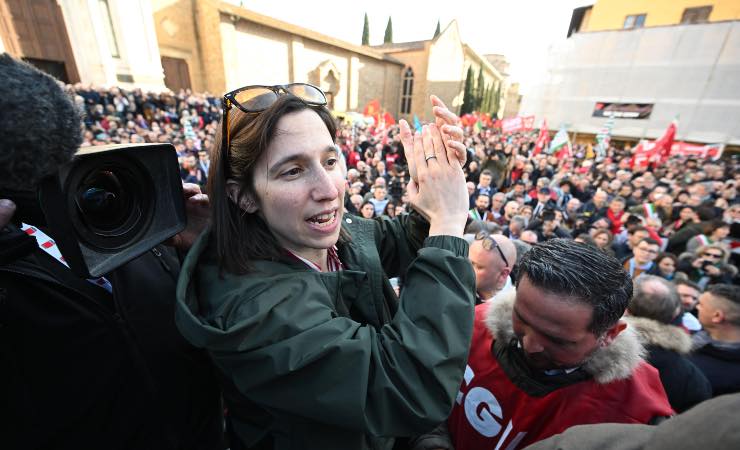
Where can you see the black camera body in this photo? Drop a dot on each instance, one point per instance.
(112, 203)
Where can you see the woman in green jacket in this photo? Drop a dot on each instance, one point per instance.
(291, 298)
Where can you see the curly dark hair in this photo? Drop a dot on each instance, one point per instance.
(41, 126)
(582, 273)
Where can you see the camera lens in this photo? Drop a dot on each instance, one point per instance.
(110, 202)
(103, 201)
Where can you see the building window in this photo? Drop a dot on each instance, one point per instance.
(634, 21)
(408, 91)
(108, 25)
(700, 14)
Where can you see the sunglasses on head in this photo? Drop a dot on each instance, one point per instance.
(257, 98)
(489, 244)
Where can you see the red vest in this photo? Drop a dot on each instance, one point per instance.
(492, 413)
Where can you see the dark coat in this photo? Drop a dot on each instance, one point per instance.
(82, 368)
(667, 347)
(720, 362)
(333, 360)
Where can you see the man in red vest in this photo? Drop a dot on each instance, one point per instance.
(553, 355)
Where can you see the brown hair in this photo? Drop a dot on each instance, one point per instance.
(241, 237)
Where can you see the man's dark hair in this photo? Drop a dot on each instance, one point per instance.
(686, 282)
(655, 298)
(729, 292)
(636, 229)
(633, 220)
(650, 241)
(487, 172)
(41, 126)
(582, 273)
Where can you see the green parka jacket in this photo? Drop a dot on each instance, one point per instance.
(334, 360)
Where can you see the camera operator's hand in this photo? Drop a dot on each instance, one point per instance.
(7, 209)
(198, 210)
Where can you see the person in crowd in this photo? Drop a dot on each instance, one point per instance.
(481, 211)
(484, 185)
(548, 227)
(615, 214)
(652, 312)
(643, 261)
(493, 257)
(597, 206)
(603, 239)
(689, 293)
(92, 363)
(529, 237)
(666, 263)
(716, 231)
(708, 265)
(553, 355)
(625, 250)
(497, 206)
(542, 203)
(390, 209)
(511, 209)
(283, 288)
(717, 347)
(379, 199)
(367, 210)
(516, 226)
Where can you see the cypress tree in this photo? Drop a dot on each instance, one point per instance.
(467, 93)
(366, 32)
(486, 101)
(479, 90)
(437, 31)
(388, 38)
(497, 99)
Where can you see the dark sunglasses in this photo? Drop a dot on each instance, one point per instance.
(489, 244)
(713, 255)
(255, 99)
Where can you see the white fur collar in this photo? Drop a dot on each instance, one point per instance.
(614, 362)
(669, 337)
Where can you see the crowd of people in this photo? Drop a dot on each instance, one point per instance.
(560, 336)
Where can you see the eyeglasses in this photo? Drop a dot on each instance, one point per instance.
(256, 98)
(489, 244)
(713, 255)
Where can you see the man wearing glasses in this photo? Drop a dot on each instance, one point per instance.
(552, 355)
(492, 257)
(644, 259)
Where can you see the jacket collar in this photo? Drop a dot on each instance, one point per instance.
(665, 336)
(615, 362)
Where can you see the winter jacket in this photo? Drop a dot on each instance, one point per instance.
(709, 425)
(334, 360)
(667, 347)
(720, 362)
(504, 404)
(82, 369)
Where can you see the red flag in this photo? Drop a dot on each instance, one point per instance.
(542, 139)
(388, 119)
(664, 144)
(372, 108)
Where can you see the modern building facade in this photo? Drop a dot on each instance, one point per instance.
(645, 75)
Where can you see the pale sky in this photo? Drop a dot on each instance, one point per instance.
(520, 29)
